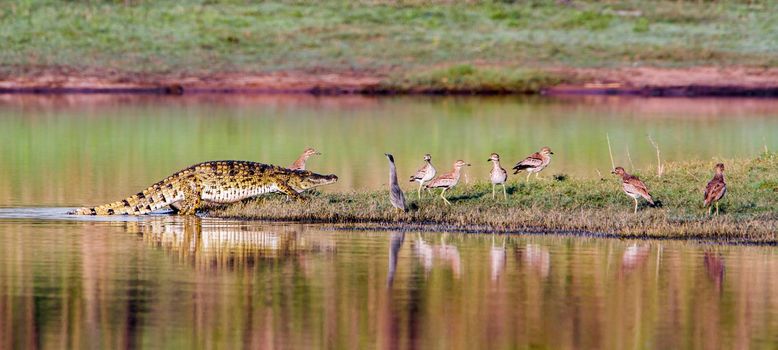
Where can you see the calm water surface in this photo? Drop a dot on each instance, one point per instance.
(78, 150)
(169, 282)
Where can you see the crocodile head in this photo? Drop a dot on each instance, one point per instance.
(304, 180)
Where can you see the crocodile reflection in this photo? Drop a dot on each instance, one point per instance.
(215, 244)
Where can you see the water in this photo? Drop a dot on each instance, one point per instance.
(78, 150)
(171, 282)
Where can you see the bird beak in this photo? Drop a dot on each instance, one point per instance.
(489, 160)
(468, 164)
(613, 172)
(550, 152)
(319, 153)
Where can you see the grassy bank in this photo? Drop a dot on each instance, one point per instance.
(498, 46)
(564, 204)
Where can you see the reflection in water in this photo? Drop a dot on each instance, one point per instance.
(714, 266)
(538, 259)
(191, 283)
(395, 244)
(217, 246)
(634, 256)
(447, 253)
(498, 259)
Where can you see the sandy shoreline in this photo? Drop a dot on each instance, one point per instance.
(641, 81)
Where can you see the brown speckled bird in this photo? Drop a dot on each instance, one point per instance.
(497, 175)
(716, 189)
(425, 173)
(633, 187)
(448, 180)
(299, 164)
(535, 163)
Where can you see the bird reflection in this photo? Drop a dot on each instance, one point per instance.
(498, 259)
(427, 253)
(634, 256)
(395, 244)
(212, 244)
(538, 258)
(714, 266)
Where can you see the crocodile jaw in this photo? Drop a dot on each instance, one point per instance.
(312, 180)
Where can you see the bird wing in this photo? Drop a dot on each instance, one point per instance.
(714, 191)
(534, 160)
(397, 198)
(445, 180)
(421, 172)
(634, 185)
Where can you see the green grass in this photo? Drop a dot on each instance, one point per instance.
(563, 204)
(466, 78)
(381, 38)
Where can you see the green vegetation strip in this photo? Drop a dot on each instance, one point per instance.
(749, 212)
(382, 38)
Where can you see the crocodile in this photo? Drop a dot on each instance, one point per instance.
(225, 181)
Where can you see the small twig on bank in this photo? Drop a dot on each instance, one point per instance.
(660, 169)
(692, 175)
(631, 165)
(610, 152)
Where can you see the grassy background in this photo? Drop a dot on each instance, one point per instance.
(565, 204)
(417, 38)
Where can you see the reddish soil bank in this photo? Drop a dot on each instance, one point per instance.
(695, 81)
(643, 81)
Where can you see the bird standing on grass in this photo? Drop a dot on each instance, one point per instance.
(448, 180)
(396, 195)
(633, 187)
(497, 175)
(535, 163)
(425, 173)
(716, 189)
(299, 164)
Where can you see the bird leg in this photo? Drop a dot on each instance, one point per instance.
(528, 175)
(421, 183)
(717, 208)
(504, 193)
(636, 206)
(709, 209)
(493, 191)
(444, 198)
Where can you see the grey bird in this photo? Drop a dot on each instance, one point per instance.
(396, 195)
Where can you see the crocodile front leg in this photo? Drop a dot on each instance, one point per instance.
(192, 200)
(288, 190)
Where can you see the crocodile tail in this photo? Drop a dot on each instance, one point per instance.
(156, 197)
